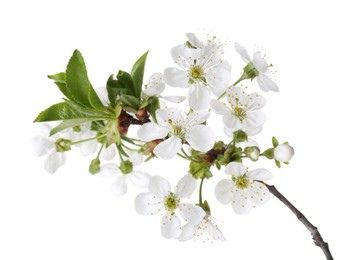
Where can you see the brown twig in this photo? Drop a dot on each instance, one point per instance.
(316, 236)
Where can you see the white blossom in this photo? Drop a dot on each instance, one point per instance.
(244, 189)
(161, 198)
(44, 144)
(207, 230)
(156, 86)
(121, 180)
(178, 128)
(243, 111)
(261, 67)
(201, 70)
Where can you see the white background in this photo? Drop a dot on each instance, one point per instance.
(314, 46)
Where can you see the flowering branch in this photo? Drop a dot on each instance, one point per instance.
(316, 236)
(99, 120)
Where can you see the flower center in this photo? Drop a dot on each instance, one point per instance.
(177, 129)
(241, 182)
(171, 202)
(240, 113)
(196, 73)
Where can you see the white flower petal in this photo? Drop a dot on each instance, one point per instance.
(176, 78)
(235, 168)
(135, 157)
(184, 56)
(254, 119)
(214, 232)
(200, 138)
(41, 145)
(155, 85)
(44, 129)
(218, 78)
(88, 148)
(266, 84)
(54, 161)
(284, 152)
(148, 204)
(199, 97)
(192, 38)
(223, 191)
(259, 174)
(240, 204)
(253, 132)
(185, 186)
(120, 186)
(170, 115)
(171, 226)
(188, 232)
(159, 186)
(108, 153)
(232, 122)
(242, 51)
(103, 95)
(259, 193)
(219, 107)
(196, 118)
(259, 62)
(191, 213)
(168, 148)
(109, 170)
(151, 131)
(174, 99)
(139, 178)
(254, 102)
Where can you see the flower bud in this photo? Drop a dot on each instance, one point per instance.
(283, 153)
(252, 152)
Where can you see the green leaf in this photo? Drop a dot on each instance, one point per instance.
(138, 74)
(153, 106)
(122, 85)
(97, 126)
(68, 110)
(69, 123)
(130, 101)
(274, 142)
(60, 81)
(78, 84)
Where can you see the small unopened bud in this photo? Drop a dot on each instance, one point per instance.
(126, 167)
(94, 166)
(252, 152)
(63, 145)
(284, 153)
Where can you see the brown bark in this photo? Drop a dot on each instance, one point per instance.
(316, 236)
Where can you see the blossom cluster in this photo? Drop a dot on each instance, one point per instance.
(97, 122)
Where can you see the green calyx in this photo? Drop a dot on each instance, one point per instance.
(200, 169)
(240, 136)
(126, 167)
(171, 202)
(232, 154)
(250, 72)
(94, 166)
(63, 145)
